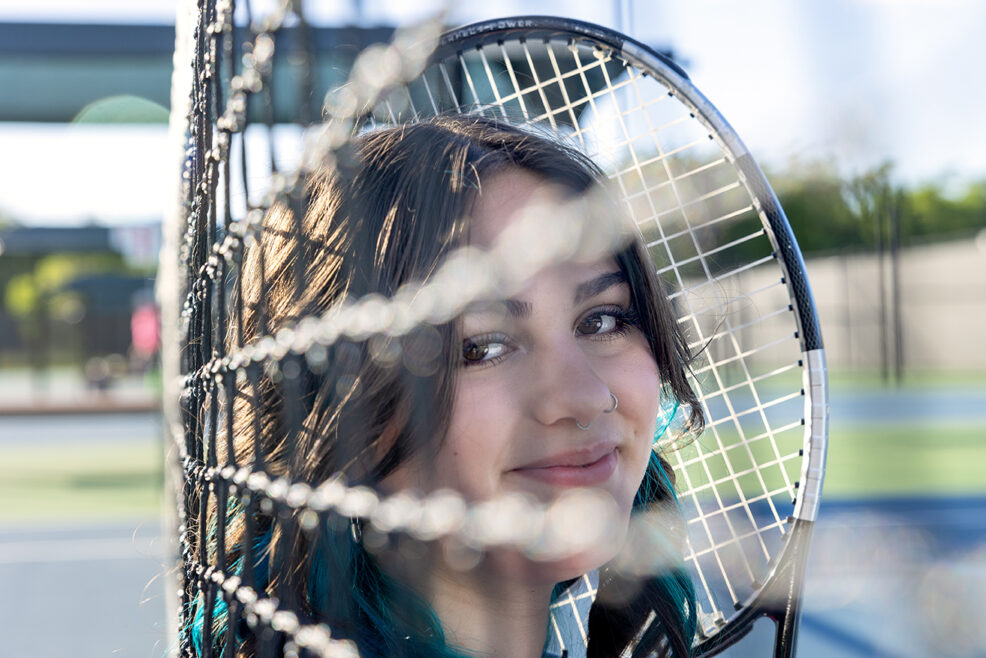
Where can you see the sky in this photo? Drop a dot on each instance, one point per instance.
(851, 82)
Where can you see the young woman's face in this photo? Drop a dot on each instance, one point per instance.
(535, 367)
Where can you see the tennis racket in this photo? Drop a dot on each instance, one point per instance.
(750, 485)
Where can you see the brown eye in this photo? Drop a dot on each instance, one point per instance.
(474, 352)
(598, 323)
(591, 325)
(485, 350)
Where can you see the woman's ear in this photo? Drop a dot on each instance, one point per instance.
(392, 469)
(387, 439)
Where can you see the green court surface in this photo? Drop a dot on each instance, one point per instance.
(63, 480)
(894, 456)
(906, 460)
(863, 461)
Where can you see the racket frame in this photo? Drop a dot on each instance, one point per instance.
(785, 578)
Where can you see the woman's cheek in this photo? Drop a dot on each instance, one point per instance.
(477, 436)
(641, 385)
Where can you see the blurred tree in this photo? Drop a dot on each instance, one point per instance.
(831, 213)
(44, 285)
(929, 211)
(40, 297)
(822, 215)
(867, 196)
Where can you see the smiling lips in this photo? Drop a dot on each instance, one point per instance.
(583, 468)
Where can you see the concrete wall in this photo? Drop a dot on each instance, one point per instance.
(942, 294)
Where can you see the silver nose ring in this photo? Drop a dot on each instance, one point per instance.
(616, 403)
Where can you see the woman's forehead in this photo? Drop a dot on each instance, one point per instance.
(514, 195)
(506, 197)
(567, 284)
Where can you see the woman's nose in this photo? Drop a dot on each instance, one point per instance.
(569, 389)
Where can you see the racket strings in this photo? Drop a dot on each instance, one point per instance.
(731, 481)
(750, 381)
(739, 330)
(701, 257)
(572, 609)
(680, 207)
(683, 205)
(759, 493)
(658, 214)
(732, 474)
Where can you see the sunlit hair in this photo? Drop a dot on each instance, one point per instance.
(393, 206)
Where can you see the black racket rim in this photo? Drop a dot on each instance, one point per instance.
(478, 34)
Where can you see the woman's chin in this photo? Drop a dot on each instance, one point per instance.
(574, 566)
(515, 566)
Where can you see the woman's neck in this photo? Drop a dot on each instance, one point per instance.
(481, 611)
(489, 616)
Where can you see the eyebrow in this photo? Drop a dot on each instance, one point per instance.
(517, 308)
(584, 291)
(600, 284)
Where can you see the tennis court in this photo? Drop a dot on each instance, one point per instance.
(901, 538)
